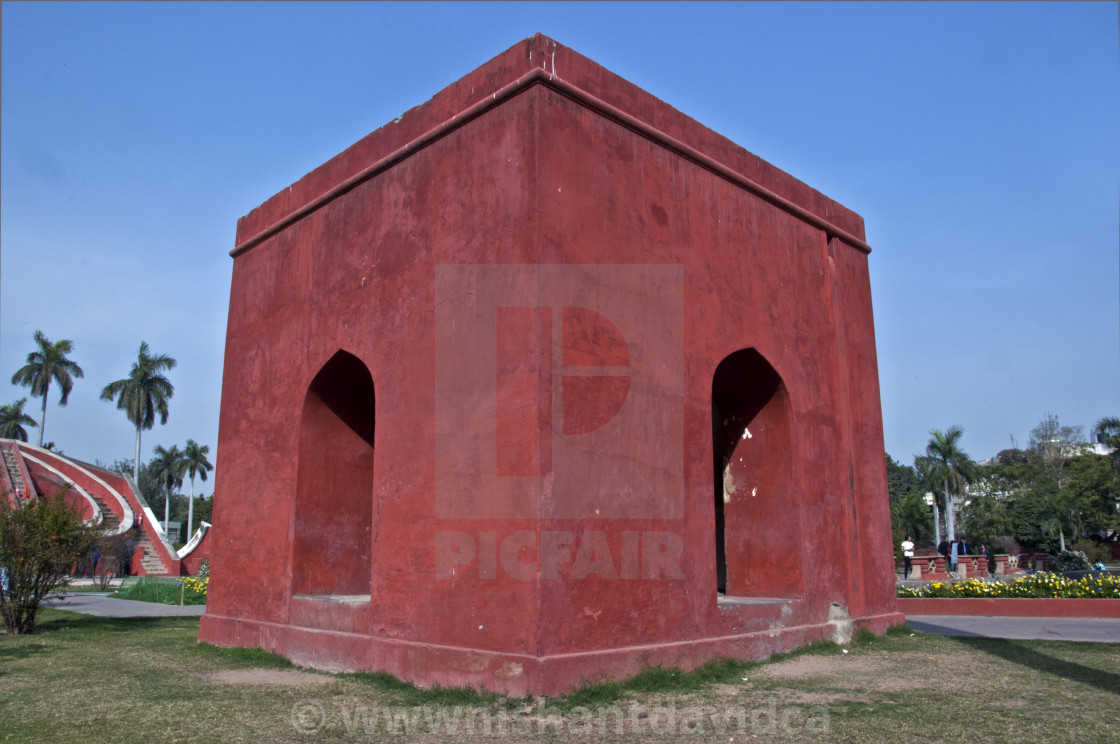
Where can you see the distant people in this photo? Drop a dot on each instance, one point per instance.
(943, 550)
(954, 551)
(1099, 566)
(987, 551)
(907, 555)
(963, 547)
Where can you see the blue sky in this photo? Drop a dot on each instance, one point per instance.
(980, 142)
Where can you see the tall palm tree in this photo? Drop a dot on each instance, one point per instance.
(195, 463)
(48, 364)
(143, 394)
(169, 466)
(923, 472)
(13, 419)
(949, 469)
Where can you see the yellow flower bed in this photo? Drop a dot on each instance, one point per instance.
(1036, 586)
(198, 586)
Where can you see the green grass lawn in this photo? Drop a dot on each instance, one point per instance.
(160, 590)
(87, 679)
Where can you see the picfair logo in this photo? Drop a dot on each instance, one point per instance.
(558, 385)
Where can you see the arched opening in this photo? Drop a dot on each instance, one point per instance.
(334, 482)
(757, 508)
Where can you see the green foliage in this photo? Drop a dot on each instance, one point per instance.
(1094, 551)
(165, 591)
(1035, 586)
(1093, 489)
(1029, 513)
(1072, 560)
(910, 515)
(45, 365)
(986, 519)
(13, 419)
(902, 480)
(39, 543)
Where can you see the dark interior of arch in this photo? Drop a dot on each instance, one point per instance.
(757, 517)
(334, 489)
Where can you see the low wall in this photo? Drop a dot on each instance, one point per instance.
(1099, 608)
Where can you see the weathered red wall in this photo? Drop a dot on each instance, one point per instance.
(542, 268)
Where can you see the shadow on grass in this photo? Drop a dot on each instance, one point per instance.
(1019, 653)
(52, 620)
(14, 653)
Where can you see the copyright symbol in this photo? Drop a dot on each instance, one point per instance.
(308, 716)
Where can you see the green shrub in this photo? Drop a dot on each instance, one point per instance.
(40, 541)
(1072, 560)
(1094, 551)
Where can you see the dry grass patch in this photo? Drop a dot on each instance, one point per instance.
(117, 680)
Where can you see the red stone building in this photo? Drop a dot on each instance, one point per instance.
(541, 383)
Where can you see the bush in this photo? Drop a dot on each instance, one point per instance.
(1072, 560)
(40, 541)
(1093, 550)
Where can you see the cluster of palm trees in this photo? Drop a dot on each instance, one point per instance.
(143, 395)
(171, 465)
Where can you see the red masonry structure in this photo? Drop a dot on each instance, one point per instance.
(543, 383)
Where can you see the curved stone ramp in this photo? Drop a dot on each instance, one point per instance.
(113, 498)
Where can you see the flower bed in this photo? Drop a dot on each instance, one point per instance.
(1035, 586)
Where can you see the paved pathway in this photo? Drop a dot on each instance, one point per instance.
(102, 606)
(1040, 628)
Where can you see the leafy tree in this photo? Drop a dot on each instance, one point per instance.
(194, 463)
(902, 480)
(143, 394)
(13, 419)
(1093, 490)
(39, 542)
(169, 467)
(1029, 512)
(987, 518)
(948, 469)
(1056, 509)
(45, 365)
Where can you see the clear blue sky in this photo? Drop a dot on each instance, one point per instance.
(980, 142)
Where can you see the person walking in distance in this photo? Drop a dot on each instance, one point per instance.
(907, 556)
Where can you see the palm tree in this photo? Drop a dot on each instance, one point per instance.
(46, 364)
(911, 515)
(949, 468)
(923, 472)
(13, 419)
(195, 463)
(143, 394)
(169, 466)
